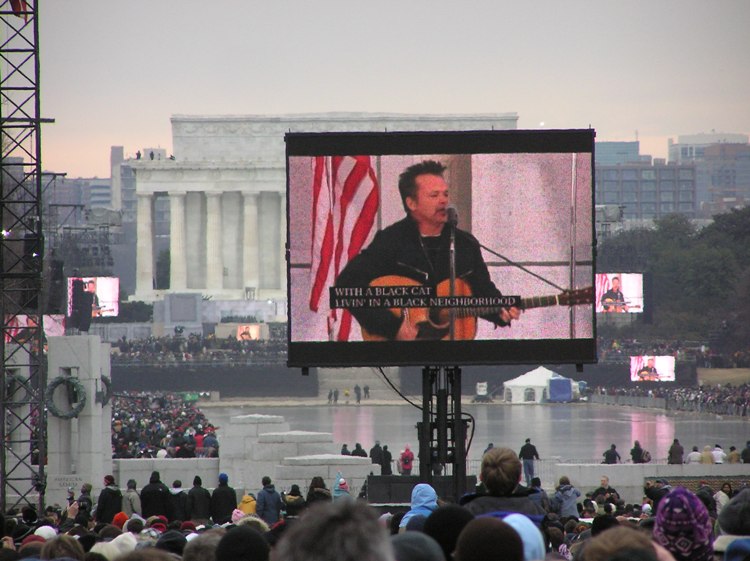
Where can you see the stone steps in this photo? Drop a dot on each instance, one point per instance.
(346, 378)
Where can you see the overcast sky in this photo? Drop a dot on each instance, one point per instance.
(113, 72)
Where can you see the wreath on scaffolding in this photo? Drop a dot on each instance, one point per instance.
(14, 383)
(106, 394)
(76, 397)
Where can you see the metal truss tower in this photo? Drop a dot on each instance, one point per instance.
(22, 430)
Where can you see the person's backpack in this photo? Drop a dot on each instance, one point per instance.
(646, 457)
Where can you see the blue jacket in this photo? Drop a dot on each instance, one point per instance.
(268, 504)
(423, 501)
(566, 496)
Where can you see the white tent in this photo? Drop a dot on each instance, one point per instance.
(531, 387)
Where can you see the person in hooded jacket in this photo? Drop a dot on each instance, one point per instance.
(155, 498)
(199, 501)
(268, 502)
(294, 502)
(248, 504)
(318, 492)
(566, 496)
(423, 502)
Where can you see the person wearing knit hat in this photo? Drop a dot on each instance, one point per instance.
(416, 546)
(125, 543)
(734, 520)
(533, 542)
(445, 525)
(738, 550)
(199, 501)
(46, 532)
(107, 549)
(341, 489)
(120, 519)
(171, 541)
(223, 501)
(488, 538)
(187, 527)
(237, 515)
(683, 526)
(242, 544)
(33, 538)
(109, 502)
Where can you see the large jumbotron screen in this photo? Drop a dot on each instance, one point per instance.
(385, 264)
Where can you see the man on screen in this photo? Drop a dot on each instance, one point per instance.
(415, 250)
(648, 373)
(96, 309)
(613, 300)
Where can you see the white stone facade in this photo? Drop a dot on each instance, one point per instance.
(227, 193)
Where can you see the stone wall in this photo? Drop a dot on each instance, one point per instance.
(629, 479)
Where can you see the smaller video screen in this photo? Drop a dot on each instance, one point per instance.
(619, 293)
(18, 327)
(100, 295)
(248, 332)
(650, 368)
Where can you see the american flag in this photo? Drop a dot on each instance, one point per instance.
(345, 202)
(20, 8)
(602, 286)
(636, 363)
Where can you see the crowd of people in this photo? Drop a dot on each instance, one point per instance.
(176, 349)
(677, 454)
(500, 519)
(729, 399)
(621, 349)
(160, 425)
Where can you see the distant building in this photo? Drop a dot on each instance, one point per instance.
(723, 178)
(647, 191)
(722, 164)
(226, 193)
(613, 153)
(691, 147)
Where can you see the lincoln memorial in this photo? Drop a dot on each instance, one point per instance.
(226, 188)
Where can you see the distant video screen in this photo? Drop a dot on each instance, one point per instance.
(250, 332)
(100, 295)
(18, 327)
(619, 293)
(377, 222)
(649, 368)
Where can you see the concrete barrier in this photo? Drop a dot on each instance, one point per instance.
(632, 400)
(629, 479)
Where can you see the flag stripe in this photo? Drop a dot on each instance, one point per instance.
(345, 204)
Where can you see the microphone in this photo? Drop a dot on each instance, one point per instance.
(452, 215)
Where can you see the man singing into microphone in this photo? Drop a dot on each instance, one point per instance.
(417, 248)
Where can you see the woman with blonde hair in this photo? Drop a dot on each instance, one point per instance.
(707, 456)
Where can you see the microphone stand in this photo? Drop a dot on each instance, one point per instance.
(452, 285)
(519, 266)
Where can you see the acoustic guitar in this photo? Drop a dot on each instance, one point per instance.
(434, 323)
(610, 305)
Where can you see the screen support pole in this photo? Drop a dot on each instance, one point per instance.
(442, 432)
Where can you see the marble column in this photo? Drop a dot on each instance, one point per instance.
(145, 245)
(214, 250)
(250, 263)
(282, 240)
(177, 249)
